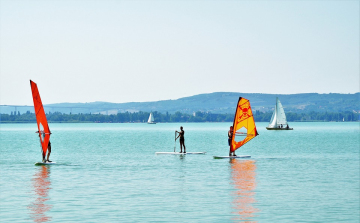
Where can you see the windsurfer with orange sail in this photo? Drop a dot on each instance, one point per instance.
(242, 130)
(42, 124)
(243, 121)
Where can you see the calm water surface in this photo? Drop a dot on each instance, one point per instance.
(110, 173)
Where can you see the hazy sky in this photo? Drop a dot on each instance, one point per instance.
(123, 51)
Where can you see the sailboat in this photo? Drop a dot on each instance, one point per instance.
(42, 124)
(278, 119)
(151, 119)
(244, 128)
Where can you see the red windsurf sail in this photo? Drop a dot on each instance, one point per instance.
(244, 125)
(42, 124)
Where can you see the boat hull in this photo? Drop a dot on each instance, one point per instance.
(151, 123)
(279, 128)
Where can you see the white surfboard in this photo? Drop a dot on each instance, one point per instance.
(231, 157)
(47, 163)
(177, 153)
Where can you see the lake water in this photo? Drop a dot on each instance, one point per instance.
(110, 173)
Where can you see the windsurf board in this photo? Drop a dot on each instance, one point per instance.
(231, 157)
(42, 164)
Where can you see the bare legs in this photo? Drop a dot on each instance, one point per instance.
(48, 155)
(231, 153)
(182, 143)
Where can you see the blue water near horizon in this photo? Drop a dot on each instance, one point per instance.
(108, 172)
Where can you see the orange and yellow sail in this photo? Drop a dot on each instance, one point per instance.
(243, 121)
(42, 124)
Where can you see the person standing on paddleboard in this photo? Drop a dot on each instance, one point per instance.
(182, 139)
(230, 134)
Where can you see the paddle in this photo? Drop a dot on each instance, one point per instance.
(175, 142)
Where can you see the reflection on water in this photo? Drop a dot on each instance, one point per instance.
(41, 187)
(244, 180)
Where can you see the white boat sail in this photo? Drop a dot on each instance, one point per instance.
(151, 119)
(278, 119)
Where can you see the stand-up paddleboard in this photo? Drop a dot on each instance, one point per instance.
(42, 124)
(176, 153)
(243, 128)
(232, 157)
(42, 164)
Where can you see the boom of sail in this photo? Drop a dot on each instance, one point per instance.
(278, 118)
(244, 128)
(42, 124)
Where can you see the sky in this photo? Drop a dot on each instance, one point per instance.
(135, 51)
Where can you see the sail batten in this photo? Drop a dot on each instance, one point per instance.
(243, 120)
(42, 124)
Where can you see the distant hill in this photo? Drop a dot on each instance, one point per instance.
(218, 103)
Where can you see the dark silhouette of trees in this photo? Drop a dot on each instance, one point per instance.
(142, 117)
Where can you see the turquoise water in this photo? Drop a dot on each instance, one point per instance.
(110, 173)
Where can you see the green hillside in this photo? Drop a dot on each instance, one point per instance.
(217, 103)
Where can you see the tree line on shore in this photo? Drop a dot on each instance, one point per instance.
(139, 117)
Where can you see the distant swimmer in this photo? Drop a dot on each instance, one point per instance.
(230, 134)
(182, 139)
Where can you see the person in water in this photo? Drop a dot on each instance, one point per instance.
(230, 134)
(48, 153)
(182, 139)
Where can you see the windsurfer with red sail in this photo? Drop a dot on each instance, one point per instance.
(42, 124)
(230, 134)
